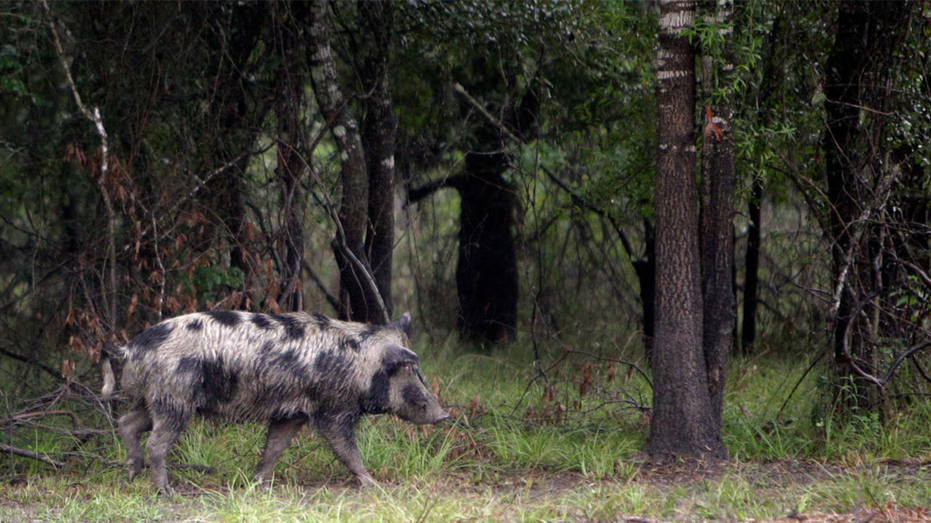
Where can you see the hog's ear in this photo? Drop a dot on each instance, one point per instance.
(395, 356)
(403, 324)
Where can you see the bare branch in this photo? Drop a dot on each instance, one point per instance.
(6, 449)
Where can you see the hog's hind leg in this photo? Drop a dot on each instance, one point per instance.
(167, 423)
(279, 435)
(132, 425)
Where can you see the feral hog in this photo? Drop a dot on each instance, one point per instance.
(286, 369)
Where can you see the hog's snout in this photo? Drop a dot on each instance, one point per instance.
(438, 415)
(416, 403)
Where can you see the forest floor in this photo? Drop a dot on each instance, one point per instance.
(784, 491)
(491, 464)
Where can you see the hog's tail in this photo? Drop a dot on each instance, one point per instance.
(109, 378)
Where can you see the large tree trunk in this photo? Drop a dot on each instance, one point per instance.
(683, 420)
(717, 218)
(378, 138)
(358, 300)
(486, 273)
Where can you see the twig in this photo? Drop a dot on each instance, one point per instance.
(918, 271)
(920, 370)
(24, 417)
(488, 116)
(883, 185)
(57, 375)
(201, 182)
(898, 361)
(799, 382)
(614, 360)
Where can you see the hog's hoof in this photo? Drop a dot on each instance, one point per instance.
(133, 468)
(366, 481)
(264, 483)
(166, 492)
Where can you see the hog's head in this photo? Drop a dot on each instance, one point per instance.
(409, 398)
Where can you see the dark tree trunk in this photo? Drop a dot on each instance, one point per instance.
(645, 268)
(683, 417)
(486, 273)
(717, 220)
(357, 298)
(378, 138)
(752, 268)
(288, 108)
(237, 124)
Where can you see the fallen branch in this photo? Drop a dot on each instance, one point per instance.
(6, 449)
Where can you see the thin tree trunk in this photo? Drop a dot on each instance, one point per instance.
(645, 268)
(378, 138)
(289, 173)
(752, 268)
(717, 219)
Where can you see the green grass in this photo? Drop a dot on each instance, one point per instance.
(517, 452)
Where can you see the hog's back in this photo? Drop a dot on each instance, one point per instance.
(242, 366)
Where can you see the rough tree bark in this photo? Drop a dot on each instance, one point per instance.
(683, 420)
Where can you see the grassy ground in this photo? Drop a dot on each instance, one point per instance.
(560, 448)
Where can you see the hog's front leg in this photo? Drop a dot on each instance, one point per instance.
(340, 435)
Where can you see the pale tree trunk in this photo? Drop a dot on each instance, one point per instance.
(683, 421)
(357, 300)
(717, 214)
